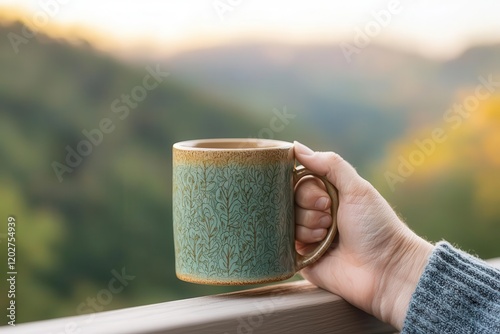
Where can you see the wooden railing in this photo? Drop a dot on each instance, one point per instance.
(297, 307)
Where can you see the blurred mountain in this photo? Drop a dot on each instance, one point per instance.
(358, 105)
(480, 60)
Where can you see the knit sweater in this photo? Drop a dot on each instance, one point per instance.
(457, 293)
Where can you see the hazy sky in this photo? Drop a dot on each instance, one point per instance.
(430, 27)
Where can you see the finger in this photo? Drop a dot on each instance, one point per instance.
(333, 166)
(307, 235)
(310, 195)
(312, 219)
(305, 248)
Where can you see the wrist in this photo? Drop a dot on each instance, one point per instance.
(406, 261)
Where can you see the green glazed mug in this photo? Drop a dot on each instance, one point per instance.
(233, 211)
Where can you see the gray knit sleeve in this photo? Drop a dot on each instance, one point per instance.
(457, 293)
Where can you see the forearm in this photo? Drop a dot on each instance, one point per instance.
(399, 280)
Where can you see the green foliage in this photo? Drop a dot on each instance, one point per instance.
(454, 193)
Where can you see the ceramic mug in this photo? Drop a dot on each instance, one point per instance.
(233, 211)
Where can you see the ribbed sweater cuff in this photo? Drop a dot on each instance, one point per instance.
(457, 293)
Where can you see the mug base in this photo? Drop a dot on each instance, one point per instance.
(232, 281)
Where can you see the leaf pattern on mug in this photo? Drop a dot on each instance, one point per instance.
(234, 220)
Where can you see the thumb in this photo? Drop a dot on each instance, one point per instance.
(338, 171)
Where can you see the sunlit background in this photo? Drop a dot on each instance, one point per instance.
(407, 91)
(437, 29)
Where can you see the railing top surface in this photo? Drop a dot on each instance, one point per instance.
(283, 308)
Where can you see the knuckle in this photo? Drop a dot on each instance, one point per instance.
(333, 157)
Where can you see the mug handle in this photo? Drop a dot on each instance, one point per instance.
(305, 260)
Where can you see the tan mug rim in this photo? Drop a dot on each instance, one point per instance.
(232, 144)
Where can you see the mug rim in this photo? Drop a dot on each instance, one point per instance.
(261, 144)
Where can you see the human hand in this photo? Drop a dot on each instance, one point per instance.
(376, 260)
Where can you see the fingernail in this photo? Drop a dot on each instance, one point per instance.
(324, 221)
(319, 233)
(302, 149)
(321, 203)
